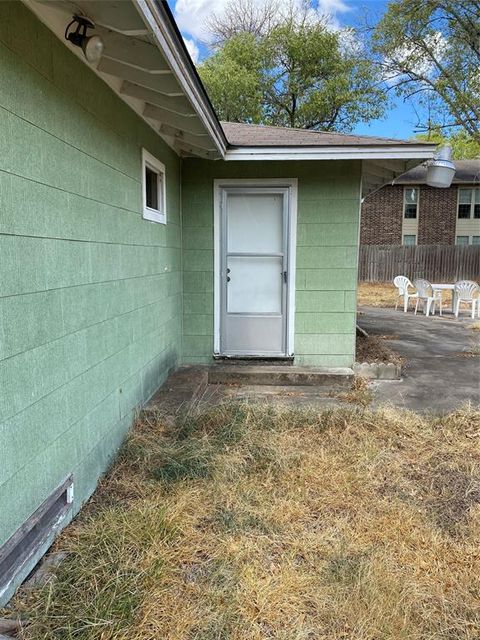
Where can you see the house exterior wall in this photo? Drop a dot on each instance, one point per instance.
(437, 215)
(382, 215)
(326, 255)
(90, 293)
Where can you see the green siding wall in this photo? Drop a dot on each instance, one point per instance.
(327, 246)
(90, 293)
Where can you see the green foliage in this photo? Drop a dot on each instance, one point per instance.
(464, 147)
(430, 51)
(298, 74)
(232, 77)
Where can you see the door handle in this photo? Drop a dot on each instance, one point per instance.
(228, 278)
(285, 277)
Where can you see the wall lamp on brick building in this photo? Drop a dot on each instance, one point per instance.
(440, 170)
(92, 46)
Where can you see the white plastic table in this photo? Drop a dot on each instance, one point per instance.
(446, 287)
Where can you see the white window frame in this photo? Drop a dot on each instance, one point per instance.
(405, 189)
(154, 215)
(472, 202)
(469, 238)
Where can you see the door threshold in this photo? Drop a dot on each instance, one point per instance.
(254, 359)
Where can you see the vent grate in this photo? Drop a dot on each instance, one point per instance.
(39, 529)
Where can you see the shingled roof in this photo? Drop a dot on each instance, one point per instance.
(253, 135)
(466, 172)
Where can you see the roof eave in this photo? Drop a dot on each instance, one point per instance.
(159, 20)
(341, 152)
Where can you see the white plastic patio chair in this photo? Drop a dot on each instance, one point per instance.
(403, 284)
(467, 292)
(427, 296)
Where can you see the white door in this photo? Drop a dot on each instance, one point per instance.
(254, 271)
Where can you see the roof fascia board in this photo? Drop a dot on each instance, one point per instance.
(155, 17)
(400, 152)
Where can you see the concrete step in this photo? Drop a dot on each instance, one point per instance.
(280, 375)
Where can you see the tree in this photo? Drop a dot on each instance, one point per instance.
(464, 147)
(233, 79)
(430, 51)
(295, 73)
(243, 16)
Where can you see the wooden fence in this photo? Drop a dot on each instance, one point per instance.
(437, 263)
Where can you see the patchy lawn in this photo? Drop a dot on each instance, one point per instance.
(384, 294)
(246, 523)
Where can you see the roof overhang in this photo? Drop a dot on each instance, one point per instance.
(147, 65)
(341, 152)
(380, 164)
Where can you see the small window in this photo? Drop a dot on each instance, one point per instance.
(410, 203)
(462, 240)
(476, 204)
(153, 188)
(475, 239)
(409, 240)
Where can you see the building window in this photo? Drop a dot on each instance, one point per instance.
(475, 239)
(469, 203)
(462, 240)
(410, 202)
(153, 189)
(409, 240)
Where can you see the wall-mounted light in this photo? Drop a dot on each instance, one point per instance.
(92, 46)
(440, 170)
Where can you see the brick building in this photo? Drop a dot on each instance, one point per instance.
(408, 211)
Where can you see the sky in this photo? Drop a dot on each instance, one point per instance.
(192, 17)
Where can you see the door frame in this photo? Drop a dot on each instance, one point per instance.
(287, 183)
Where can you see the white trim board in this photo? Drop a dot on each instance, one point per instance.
(292, 185)
(400, 152)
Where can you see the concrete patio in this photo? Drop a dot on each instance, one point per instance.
(442, 371)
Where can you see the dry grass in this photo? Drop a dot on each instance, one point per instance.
(376, 294)
(376, 349)
(246, 523)
(360, 392)
(475, 326)
(384, 294)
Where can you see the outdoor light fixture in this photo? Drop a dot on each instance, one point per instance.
(92, 46)
(440, 170)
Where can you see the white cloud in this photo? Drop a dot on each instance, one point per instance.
(192, 15)
(192, 49)
(332, 7)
